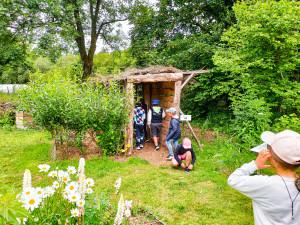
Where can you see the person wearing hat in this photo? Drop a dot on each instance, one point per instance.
(155, 116)
(275, 198)
(174, 132)
(184, 152)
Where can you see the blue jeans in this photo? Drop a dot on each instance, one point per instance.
(139, 134)
(170, 144)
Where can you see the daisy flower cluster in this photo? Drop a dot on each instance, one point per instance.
(70, 184)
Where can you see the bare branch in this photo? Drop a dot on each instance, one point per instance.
(109, 22)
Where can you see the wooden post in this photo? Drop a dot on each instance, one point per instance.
(129, 128)
(177, 95)
(194, 135)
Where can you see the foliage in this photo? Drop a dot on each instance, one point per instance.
(260, 60)
(112, 63)
(14, 67)
(291, 122)
(58, 26)
(61, 105)
(171, 33)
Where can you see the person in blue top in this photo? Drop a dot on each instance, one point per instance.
(139, 119)
(174, 132)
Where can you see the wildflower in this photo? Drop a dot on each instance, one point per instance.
(81, 166)
(118, 184)
(26, 180)
(53, 174)
(39, 192)
(127, 213)
(27, 192)
(128, 206)
(120, 212)
(71, 170)
(80, 203)
(89, 191)
(25, 220)
(55, 185)
(71, 187)
(74, 197)
(49, 191)
(44, 167)
(63, 176)
(32, 202)
(89, 182)
(75, 212)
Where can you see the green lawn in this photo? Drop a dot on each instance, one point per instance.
(201, 197)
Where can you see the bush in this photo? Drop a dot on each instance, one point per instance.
(61, 105)
(291, 121)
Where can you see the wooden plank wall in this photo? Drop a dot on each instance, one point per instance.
(165, 92)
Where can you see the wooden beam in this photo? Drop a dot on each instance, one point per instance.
(177, 95)
(188, 79)
(129, 127)
(194, 135)
(162, 77)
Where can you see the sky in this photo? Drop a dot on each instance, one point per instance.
(125, 28)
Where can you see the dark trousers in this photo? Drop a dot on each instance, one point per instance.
(139, 134)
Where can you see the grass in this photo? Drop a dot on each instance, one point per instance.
(201, 197)
(7, 98)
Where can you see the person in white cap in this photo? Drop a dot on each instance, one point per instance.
(275, 199)
(174, 132)
(184, 152)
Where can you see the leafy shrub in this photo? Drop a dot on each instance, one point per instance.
(62, 105)
(291, 121)
(7, 119)
(251, 118)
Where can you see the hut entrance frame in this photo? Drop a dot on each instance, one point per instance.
(163, 83)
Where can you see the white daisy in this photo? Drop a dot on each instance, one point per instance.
(89, 191)
(32, 202)
(80, 203)
(74, 197)
(89, 182)
(71, 187)
(39, 192)
(52, 173)
(49, 191)
(63, 176)
(75, 212)
(118, 184)
(44, 167)
(55, 185)
(127, 213)
(27, 192)
(71, 170)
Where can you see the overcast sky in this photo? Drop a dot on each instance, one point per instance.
(125, 27)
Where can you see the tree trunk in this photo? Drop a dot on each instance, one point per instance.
(87, 68)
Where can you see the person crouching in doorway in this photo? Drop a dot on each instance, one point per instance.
(184, 152)
(139, 118)
(174, 132)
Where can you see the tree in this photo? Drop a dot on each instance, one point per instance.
(71, 21)
(180, 33)
(14, 66)
(259, 57)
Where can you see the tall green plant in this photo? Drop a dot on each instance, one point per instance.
(61, 105)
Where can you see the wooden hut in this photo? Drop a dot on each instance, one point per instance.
(163, 83)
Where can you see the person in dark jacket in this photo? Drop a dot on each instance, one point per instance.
(155, 117)
(174, 132)
(184, 152)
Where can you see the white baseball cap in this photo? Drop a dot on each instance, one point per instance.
(285, 144)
